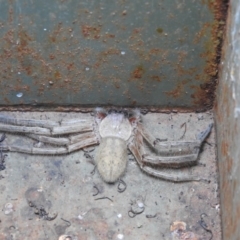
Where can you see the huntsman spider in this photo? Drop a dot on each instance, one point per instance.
(115, 132)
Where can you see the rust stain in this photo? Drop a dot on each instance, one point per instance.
(108, 35)
(24, 39)
(57, 75)
(183, 72)
(110, 51)
(202, 33)
(28, 70)
(70, 66)
(182, 56)
(156, 78)
(7, 100)
(117, 85)
(91, 32)
(159, 30)
(177, 91)
(60, 34)
(204, 96)
(137, 31)
(138, 72)
(51, 56)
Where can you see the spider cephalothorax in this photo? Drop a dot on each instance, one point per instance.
(115, 132)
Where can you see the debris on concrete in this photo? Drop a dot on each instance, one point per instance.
(89, 208)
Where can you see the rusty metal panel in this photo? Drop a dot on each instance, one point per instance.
(228, 126)
(145, 53)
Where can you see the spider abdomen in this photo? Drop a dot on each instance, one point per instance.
(111, 158)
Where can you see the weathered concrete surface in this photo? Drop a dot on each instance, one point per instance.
(228, 126)
(65, 185)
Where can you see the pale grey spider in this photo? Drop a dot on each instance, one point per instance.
(114, 131)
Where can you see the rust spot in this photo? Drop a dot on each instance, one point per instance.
(70, 66)
(7, 100)
(204, 98)
(110, 51)
(117, 85)
(159, 30)
(182, 56)
(26, 87)
(57, 75)
(136, 30)
(138, 72)
(156, 78)
(91, 31)
(54, 36)
(175, 93)
(110, 35)
(51, 56)
(24, 38)
(202, 33)
(182, 71)
(28, 70)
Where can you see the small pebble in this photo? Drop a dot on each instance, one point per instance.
(120, 236)
(8, 208)
(65, 237)
(140, 204)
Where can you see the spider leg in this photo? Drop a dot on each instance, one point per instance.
(28, 122)
(86, 139)
(60, 141)
(171, 161)
(174, 153)
(23, 129)
(41, 127)
(76, 120)
(73, 128)
(176, 175)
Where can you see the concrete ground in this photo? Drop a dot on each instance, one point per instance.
(60, 197)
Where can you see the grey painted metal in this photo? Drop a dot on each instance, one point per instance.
(104, 52)
(228, 126)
